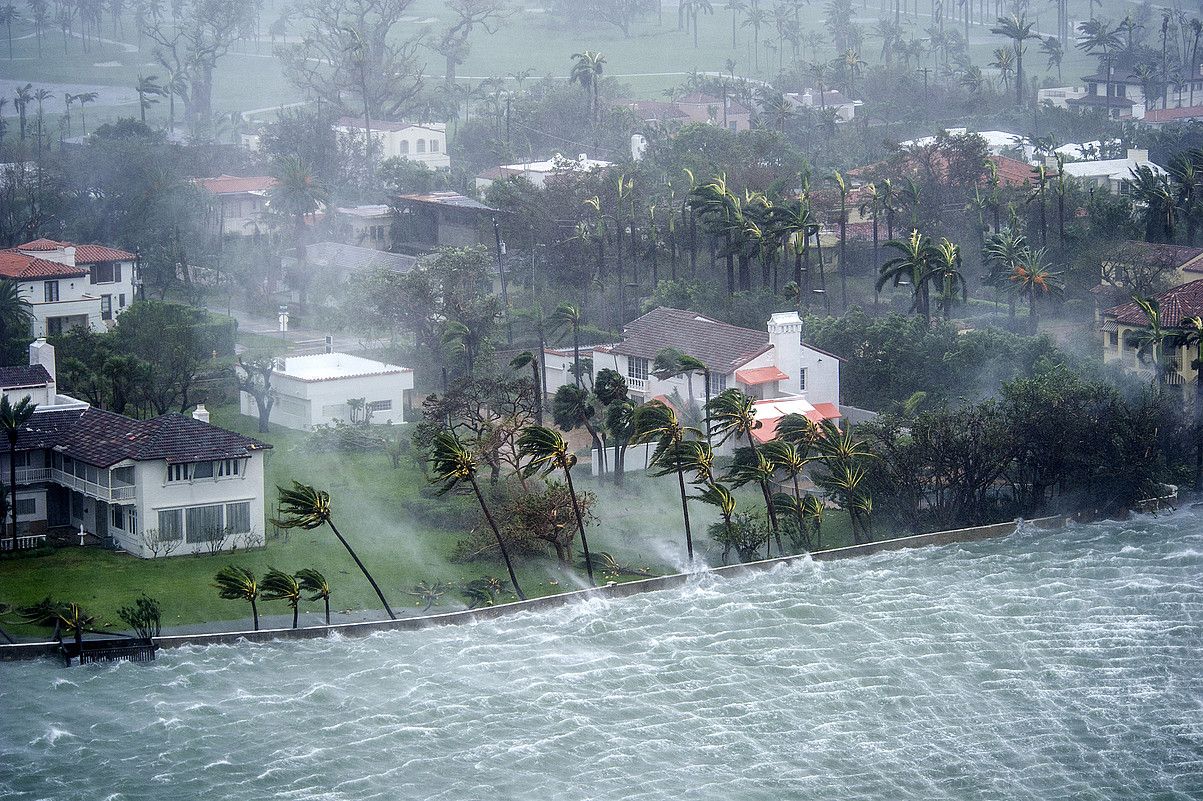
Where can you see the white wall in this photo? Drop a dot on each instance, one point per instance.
(822, 376)
(302, 405)
(79, 297)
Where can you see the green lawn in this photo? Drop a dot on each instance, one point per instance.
(639, 524)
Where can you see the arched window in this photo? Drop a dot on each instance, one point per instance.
(421, 145)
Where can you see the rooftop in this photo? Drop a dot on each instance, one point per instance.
(103, 439)
(334, 366)
(720, 346)
(33, 375)
(14, 264)
(389, 125)
(1116, 169)
(1180, 257)
(454, 199)
(1176, 305)
(84, 254)
(353, 258)
(559, 163)
(367, 211)
(769, 413)
(234, 185)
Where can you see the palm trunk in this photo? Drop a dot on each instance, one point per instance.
(295, 608)
(364, 570)
(538, 385)
(255, 613)
(12, 482)
(1199, 418)
(505, 554)
(327, 600)
(768, 506)
(685, 503)
(580, 525)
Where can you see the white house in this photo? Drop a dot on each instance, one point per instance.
(318, 389)
(368, 226)
(845, 109)
(1113, 175)
(425, 142)
(766, 364)
(170, 485)
(237, 206)
(71, 286)
(537, 172)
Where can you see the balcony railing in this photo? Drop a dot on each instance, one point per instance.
(637, 384)
(117, 492)
(32, 475)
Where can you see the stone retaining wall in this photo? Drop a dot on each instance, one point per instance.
(615, 590)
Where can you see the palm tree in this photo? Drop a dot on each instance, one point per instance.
(736, 7)
(732, 413)
(547, 450)
(1051, 46)
(1035, 279)
(587, 69)
(522, 361)
(692, 8)
(945, 273)
(656, 421)
(9, 15)
(297, 194)
(1190, 335)
(909, 267)
(307, 508)
(16, 312)
(12, 419)
(84, 98)
(792, 458)
(279, 586)
(1018, 29)
(837, 180)
(452, 463)
(1153, 338)
(756, 19)
(752, 465)
(315, 583)
(566, 318)
(239, 584)
(23, 97)
(72, 617)
(1004, 62)
(40, 96)
(1003, 252)
(721, 498)
(148, 90)
(1185, 172)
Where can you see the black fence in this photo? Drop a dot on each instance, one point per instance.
(122, 649)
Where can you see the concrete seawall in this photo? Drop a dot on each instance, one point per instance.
(42, 649)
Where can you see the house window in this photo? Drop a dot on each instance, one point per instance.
(171, 524)
(434, 145)
(716, 384)
(421, 145)
(177, 472)
(106, 307)
(107, 272)
(227, 468)
(118, 517)
(238, 517)
(50, 292)
(802, 379)
(121, 301)
(202, 470)
(380, 406)
(27, 506)
(204, 523)
(404, 147)
(1113, 339)
(637, 368)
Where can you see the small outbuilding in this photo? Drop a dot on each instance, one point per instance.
(325, 387)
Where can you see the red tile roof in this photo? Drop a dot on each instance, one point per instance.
(1176, 305)
(19, 265)
(1011, 172)
(42, 244)
(91, 254)
(1155, 115)
(760, 375)
(234, 185)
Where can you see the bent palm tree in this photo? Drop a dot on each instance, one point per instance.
(307, 508)
(732, 413)
(239, 584)
(12, 420)
(279, 586)
(657, 421)
(547, 450)
(315, 583)
(452, 463)
(568, 318)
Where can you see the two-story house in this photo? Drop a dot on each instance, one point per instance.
(769, 364)
(70, 286)
(1122, 328)
(169, 485)
(424, 142)
(237, 206)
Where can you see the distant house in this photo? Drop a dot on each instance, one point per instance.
(367, 226)
(236, 205)
(725, 112)
(1121, 327)
(998, 143)
(539, 172)
(768, 364)
(1117, 89)
(329, 265)
(831, 99)
(1114, 175)
(71, 286)
(424, 142)
(171, 484)
(327, 387)
(443, 219)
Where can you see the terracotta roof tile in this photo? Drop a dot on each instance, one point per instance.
(1176, 305)
(91, 254)
(42, 244)
(234, 185)
(19, 265)
(760, 375)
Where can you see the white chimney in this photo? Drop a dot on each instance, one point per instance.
(785, 335)
(200, 413)
(638, 147)
(42, 352)
(582, 158)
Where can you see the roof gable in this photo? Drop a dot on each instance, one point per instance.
(23, 266)
(1175, 306)
(722, 347)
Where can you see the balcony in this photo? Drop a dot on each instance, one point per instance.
(117, 492)
(637, 384)
(32, 475)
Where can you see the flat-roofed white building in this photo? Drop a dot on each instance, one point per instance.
(322, 388)
(423, 142)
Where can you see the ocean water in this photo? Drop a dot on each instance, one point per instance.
(1048, 665)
